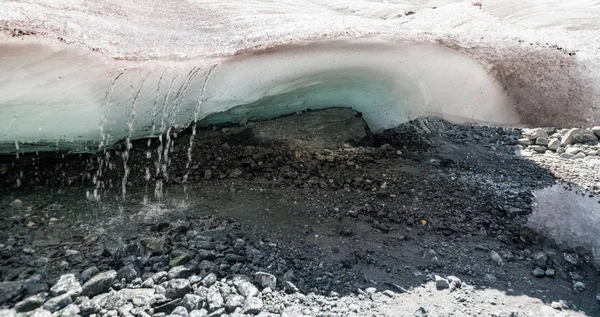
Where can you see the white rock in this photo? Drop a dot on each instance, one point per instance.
(553, 144)
(578, 136)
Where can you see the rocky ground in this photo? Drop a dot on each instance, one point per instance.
(306, 215)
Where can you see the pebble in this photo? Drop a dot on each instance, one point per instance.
(89, 273)
(180, 311)
(209, 280)
(550, 272)
(441, 283)
(265, 280)
(30, 303)
(496, 257)
(67, 283)
(539, 272)
(58, 302)
(100, 283)
(252, 305)
(177, 288)
(191, 302)
(233, 302)
(579, 286)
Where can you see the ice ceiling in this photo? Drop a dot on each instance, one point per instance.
(77, 73)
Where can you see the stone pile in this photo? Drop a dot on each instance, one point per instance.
(567, 143)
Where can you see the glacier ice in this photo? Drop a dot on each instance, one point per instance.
(78, 74)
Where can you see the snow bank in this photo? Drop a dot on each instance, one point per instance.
(77, 73)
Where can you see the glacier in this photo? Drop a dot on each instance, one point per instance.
(79, 75)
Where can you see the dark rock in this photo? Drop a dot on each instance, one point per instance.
(128, 272)
(177, 288)
(168, 306)
(89, 273)
(9, 291)
(30, 303)
(58, 302)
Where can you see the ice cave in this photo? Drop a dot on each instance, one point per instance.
(299, 158)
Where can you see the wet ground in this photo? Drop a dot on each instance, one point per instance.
(426, 199)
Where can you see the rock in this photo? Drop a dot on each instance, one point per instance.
(265, 280)
(128, 272)
(441, 283)
(490, 278)
(559, 305)
(233, 302)
(180, 311)
(550, 272)
(246, 288)
(191, 302)
(235, 173)
(572, 150)
(421, 312)
(88, 273)
(177, 288)
(207, 174)
(67, 283)
(576, 135)
(389, 293)
(539, 272)
(553, 144)
(167, 307)
(496, 257)
(566, 156)
(214, 299)
(179, 260)
(209, 280)
(579, 286)
(524, 142)
(8, 313)
(40, 312)
(138, 296)
(540, 259)
(58, 302)
(10, 290)
(534, 134)
(100, 283)
(538, 148)
(252, 305)
(180, 272)
(198, 313)
(541, 141)
(290, 288)
(71, 310)
(16, 203)
(455, 283)
(596, 131)
(110, 300)
(148, 283)
(30, 303)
